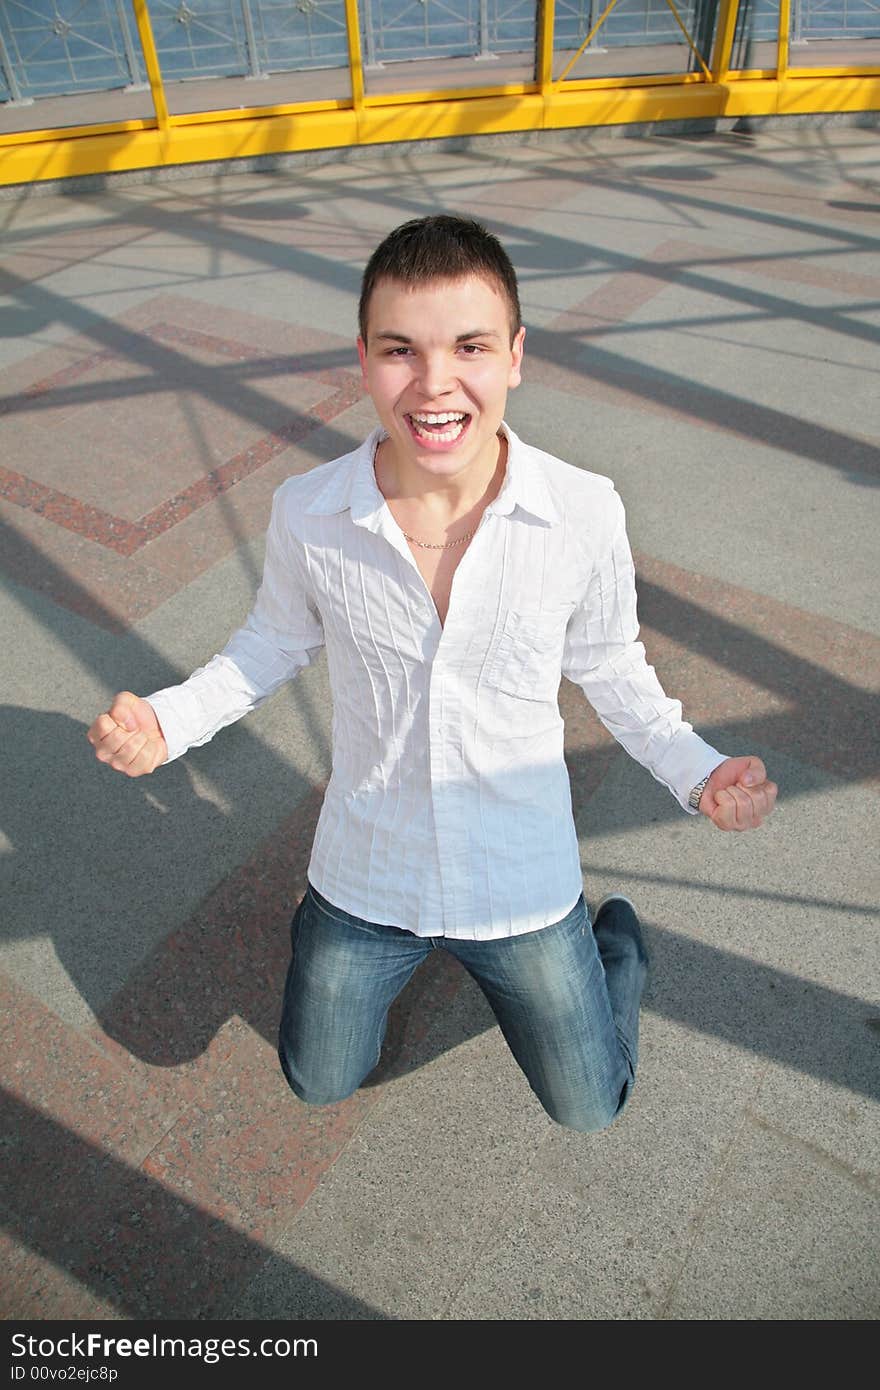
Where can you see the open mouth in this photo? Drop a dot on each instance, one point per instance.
(438, 427)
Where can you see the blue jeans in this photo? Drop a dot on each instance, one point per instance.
(566, 1000)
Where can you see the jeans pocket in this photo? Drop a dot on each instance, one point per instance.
(347, 920)
(295, 922)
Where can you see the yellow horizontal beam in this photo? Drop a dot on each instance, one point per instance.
(656, 79)
(804, 92)
(800, 72)
(572, 104)
(616, 105)
(75, 132)
(192, 144)
(505, 89)
(244, 113)
(435, 120)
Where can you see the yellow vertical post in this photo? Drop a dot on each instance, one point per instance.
(151, 61)
(724, 35)
(782, 55)
(355, 60)
(544, 58)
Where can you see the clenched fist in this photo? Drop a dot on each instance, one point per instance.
(738, 795)
(128, 737)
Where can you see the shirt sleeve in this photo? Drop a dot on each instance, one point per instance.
(603, 656)
(282, 634)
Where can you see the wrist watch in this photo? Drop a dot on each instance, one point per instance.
(697, 792)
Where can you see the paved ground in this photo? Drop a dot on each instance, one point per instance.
(702, 326)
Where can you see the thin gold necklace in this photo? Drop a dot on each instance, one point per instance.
(432, 545)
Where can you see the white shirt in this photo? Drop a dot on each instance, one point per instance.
(448, 811)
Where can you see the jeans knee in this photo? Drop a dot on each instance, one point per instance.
(584, 1124)
(324, 1094)
(312, 1096)
(592, 1118)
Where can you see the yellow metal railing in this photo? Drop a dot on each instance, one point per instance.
(544, 102)
(151, 62)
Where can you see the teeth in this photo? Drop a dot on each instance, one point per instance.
(440, 436)
(445, 417)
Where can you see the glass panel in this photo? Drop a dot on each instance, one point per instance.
(637, 38)
(756, 37)
(834, 33)
(222, 54)
(431, 45)
(69, 62)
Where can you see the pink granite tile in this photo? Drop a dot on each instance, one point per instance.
(617, 296)
(51, 369)
(126, 454)
(196, 542)
(138, 454)
(77, 573)
(191, 1014)
(179, 999)
(60, 1070)
(111, 1228)
(247, 1150)
(34, 1287)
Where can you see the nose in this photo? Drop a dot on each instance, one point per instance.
(437, 377)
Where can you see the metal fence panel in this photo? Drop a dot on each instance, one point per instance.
(58, 46)
(50, 47)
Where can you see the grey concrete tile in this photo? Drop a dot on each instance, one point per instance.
(419, 1192)
(555, 1261)
(797, 895)
(712, 474)
(788, 1236)
(837, 1122)
(766, 942)
(601, 1224)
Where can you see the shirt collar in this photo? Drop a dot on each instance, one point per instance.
(524, 489)
(354, 487)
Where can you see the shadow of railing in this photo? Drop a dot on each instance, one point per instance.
(129, 1240)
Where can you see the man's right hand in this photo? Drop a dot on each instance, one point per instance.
(128, 736)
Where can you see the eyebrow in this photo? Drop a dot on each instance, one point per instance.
(462, 337)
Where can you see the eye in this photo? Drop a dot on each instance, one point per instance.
(398, 352)
(472, 349)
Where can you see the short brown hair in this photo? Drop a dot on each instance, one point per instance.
(440, 247)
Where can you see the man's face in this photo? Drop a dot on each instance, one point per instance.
(438, 365)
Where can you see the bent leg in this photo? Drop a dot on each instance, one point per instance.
(343, 977)
(625, 961)
(548, 990)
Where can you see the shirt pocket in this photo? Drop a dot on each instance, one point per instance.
(526, 658)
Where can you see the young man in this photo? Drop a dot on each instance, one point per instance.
(453, 573)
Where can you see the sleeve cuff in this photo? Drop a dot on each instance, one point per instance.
(688, 761)
(170, 721)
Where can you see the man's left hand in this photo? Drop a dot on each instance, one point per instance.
(738, 796)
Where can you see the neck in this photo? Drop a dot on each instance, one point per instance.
(477, 485)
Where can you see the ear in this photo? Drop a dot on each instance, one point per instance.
(516, 351)
(362, 354)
